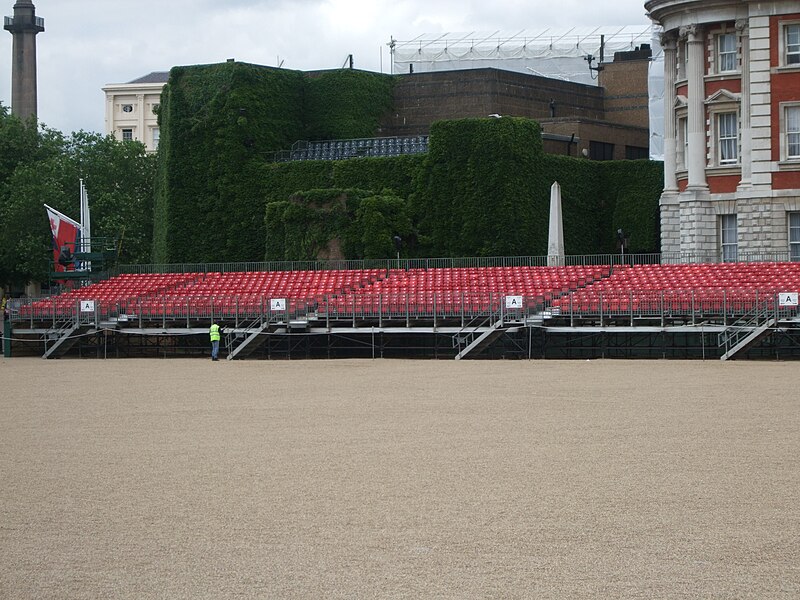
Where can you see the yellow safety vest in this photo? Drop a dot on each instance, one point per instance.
(214, 331)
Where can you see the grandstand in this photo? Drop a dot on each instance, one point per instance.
(353, 148)
(452, 308)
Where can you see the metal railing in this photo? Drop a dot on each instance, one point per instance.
(724, 306)
(391, 263)
(461, 262)
(761, 314)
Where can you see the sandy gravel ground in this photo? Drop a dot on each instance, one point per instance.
(399, 479)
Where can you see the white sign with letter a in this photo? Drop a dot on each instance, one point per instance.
(787, 299)
(87, 305)
(513, 301)
(276, 304)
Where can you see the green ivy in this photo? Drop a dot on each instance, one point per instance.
(345, 103)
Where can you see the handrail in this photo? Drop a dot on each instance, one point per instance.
(453, 262)
(756, 318)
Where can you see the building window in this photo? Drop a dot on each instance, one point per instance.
(794, 235)
(793, 132)
(683, 59)
(728, 138)
(792, 37)
(726, 53)
(727, 228)
(156, 137)
(636, 153)
(127, 135)
(127, 108)
(601, 150)
(682, 143)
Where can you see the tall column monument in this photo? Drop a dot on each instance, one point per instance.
(24, 26)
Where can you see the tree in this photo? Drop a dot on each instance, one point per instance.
(40, 166)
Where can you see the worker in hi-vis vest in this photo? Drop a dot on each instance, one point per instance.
(214, 332)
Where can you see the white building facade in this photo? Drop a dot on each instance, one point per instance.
(132, 109)
(732, 129)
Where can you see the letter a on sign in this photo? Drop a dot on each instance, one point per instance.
(787, 299)
(513, 301)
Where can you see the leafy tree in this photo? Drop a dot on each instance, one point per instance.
(40, 166)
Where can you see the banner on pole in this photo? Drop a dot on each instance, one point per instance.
(66, 239)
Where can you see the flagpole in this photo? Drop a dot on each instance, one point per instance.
(86, 224)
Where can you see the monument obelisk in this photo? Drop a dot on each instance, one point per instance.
(24, 26)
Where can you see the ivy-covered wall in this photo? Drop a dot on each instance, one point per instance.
(335, 223)
(482, 189)
(218, 123)
(345, 103)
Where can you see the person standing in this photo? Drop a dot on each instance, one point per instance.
(214, 332)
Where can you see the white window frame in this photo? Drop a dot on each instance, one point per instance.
(728, 237)
(792, 132)
(681, 140)
(794, 235)
(125, 130)
(155, 135)
(789, 53)
(683, 60)
(789, 135)
(725, 138)
(730, 64)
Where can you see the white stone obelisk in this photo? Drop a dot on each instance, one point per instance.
(555, 238)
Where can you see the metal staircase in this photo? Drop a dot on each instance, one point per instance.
(475, 338)
(65, 337)
(747, 331)
(253, 335)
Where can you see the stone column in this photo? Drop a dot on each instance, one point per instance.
(747, 132)
(696, 161)
(670, 46)
(24, 26)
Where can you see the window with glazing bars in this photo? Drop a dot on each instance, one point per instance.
(792, 44)
(794, 235)
(728, 138)
(726, 52)
(793, 132)
(727, 225)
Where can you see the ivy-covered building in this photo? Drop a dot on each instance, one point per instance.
(602, 122)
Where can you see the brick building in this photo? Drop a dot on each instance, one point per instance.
(604, 122)
(732, 128)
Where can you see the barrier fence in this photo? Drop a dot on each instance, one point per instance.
(687, 305)
(432, 263)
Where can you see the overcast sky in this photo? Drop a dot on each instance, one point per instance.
(89, 43)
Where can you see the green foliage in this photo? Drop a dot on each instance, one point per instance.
(218, 123)
(477, 196)
(46, 169)
(346, 104)
(309, 224)
(278, 181)
(397, 173)
(482, 189)
(634, 188)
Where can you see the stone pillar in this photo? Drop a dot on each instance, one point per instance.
(747, 132)
(696, 161)
(24, 26)
(670, 46)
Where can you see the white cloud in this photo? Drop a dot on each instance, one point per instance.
(91, 43)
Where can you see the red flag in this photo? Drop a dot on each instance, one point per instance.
(66, 235)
